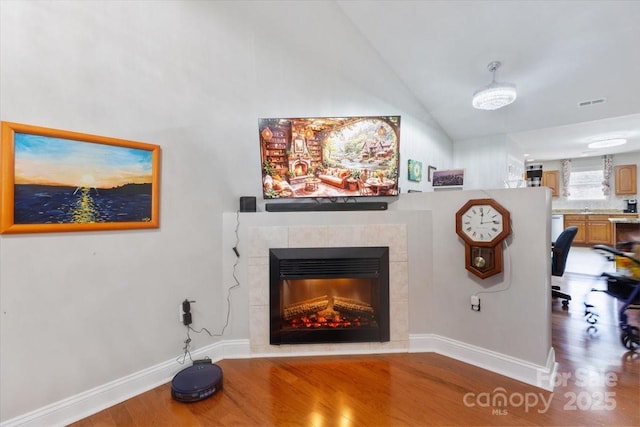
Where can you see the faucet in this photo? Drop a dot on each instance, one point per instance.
(586, 209)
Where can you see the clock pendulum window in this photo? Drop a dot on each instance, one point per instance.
(483, 224)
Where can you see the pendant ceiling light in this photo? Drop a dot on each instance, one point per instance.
(495, 95)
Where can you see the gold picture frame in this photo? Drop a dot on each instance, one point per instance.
(57, 181)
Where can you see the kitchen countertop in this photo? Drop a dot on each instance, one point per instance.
(593, 212)
(625, 220)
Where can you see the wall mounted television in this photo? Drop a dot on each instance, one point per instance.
(330, 157)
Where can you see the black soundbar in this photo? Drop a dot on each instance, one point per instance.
(324, 207)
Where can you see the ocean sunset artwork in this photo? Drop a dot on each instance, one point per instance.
(80, 180)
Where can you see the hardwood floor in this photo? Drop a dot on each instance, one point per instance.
(598, 383)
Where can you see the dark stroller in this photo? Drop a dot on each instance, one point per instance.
(625, 288)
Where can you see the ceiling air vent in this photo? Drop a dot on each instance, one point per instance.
(592, 102)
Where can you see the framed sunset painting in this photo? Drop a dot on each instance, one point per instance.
(56, 180)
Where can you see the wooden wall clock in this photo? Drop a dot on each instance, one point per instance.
(483, 224)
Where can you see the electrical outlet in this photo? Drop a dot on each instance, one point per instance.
(186, 319)
(475, 303)
(185, 312)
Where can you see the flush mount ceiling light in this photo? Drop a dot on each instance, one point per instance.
(495, 95)
(608, 143)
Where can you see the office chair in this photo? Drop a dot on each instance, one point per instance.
(559, 255)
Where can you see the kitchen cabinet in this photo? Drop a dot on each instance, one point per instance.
(593, 229)
(626, 180)
(599, 230)
(551, 179)
(580, 222)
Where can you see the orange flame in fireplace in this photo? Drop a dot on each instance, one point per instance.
(324, 322)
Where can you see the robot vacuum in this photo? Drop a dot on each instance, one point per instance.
(197, 382)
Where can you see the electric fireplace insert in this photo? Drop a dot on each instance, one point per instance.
(329, 295)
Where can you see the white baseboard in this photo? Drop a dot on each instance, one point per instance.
(82, 405)
(518, 369)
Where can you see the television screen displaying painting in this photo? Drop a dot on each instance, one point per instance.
(330, 157)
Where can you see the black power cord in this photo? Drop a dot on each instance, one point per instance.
(186, 303)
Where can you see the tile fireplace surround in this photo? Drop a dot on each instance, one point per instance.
(421, 274)
(261, 239)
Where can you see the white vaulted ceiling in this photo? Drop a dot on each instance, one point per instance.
(558, 53)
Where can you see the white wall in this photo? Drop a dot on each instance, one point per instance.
(484, 161)
(515, 314)
(193, 77)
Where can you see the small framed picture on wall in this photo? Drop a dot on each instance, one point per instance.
(448, 178)
(415, 170)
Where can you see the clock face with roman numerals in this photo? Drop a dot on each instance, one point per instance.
(483, 222)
